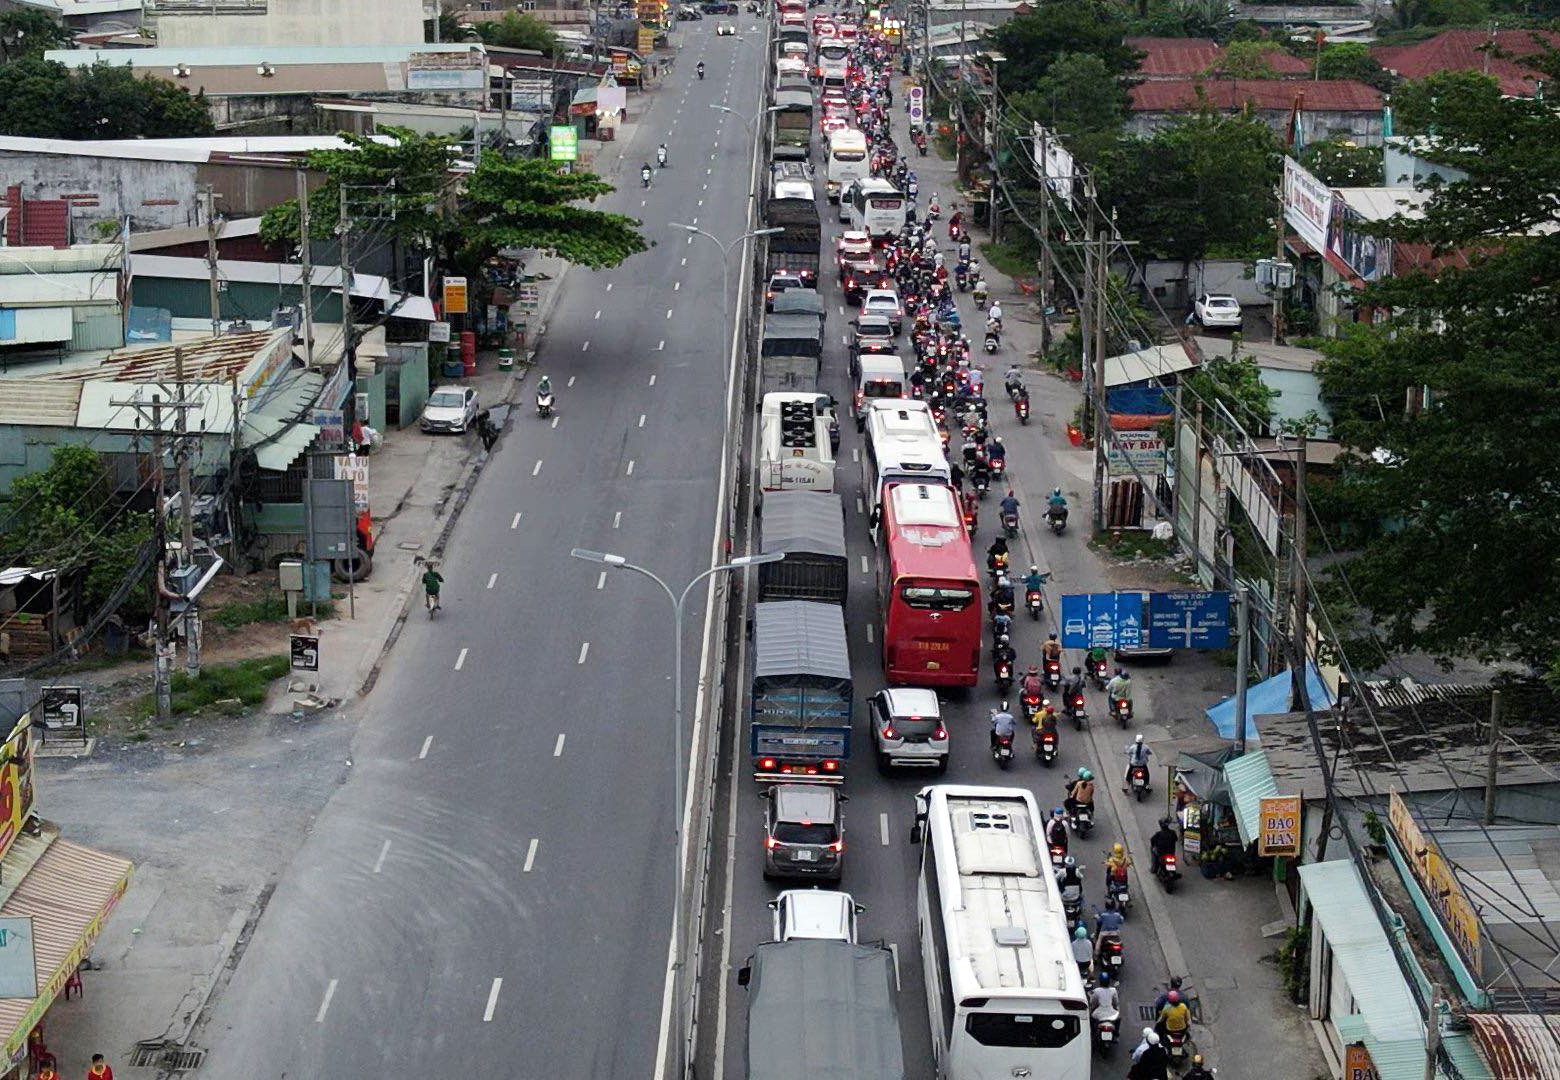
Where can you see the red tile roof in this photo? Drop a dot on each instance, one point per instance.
(1469, 50)
(1185, 57)
(1182, 95)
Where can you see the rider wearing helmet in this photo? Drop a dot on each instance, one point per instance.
(1083, 952)
(1080, 793)
(1198, 1071)
(1104, 1000)
(1138, 753)
(1034, 579)
(1056, 829)
(1175, 1017)
(1116, 864)
(1052, 649)
(1068, 877)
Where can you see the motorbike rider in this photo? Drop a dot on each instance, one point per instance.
(1175, 1018)
(996, 450)
(1198, 1071)
(1056, 503)
(1105, 1001)
(1013, 379)
(1108, 925)
(1002, 726)
(997, 553)
(1003, 652)
(1056, 829)
(1032, 686)
(1080, 793)
(1150, 1038)
(1045, 719)
(1163, 842)
(995, 314)
(1116, 864)
(1052, 649)
(1083, 952)
(1073, 686)
(431, 580)
(701, 69)
(1152, 1063)
(1009, 503)
(1002, 593)
(1068, 877)
(1001, 621)
(660, 155)
(1097, 654)
(1164, 995)
(1034, 581)
(1138, 753)
(964, 251)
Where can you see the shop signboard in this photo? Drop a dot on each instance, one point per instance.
(620, 61)
(1437, 879)
(917, 106)
(455, 296)
(305, 652)
(332, 424)
(16, 783)
(1136, 453)
(1307, 204)
(528, 297)
(1280, 835)
(439, 332)
(563, 142)
(354, 467)
(1364, 255)
(60, 711)
(1357, 1064)
(646, 40)
(18, 959)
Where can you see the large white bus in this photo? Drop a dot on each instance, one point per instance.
(1003, 993)
(875, 206)
(794, 446)
(903, 444)
(847, 162)
(833, 62)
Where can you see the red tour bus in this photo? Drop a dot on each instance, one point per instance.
(929, 589)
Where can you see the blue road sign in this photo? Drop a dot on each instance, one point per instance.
(1188, 620)
(1111, 620)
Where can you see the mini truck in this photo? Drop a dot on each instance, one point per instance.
(802, 692)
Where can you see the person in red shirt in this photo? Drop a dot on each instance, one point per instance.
(100, 1069)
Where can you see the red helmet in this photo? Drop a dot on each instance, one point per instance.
(1174, 997)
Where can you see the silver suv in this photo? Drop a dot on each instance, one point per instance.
(907, 729)
(804, 831)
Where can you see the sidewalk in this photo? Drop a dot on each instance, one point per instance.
(1220, 935)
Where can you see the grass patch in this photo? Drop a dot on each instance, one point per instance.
(1132, 545)
(268, 609)
(228, 689)
(1011, 259)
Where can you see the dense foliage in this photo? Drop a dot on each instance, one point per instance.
(50, 101)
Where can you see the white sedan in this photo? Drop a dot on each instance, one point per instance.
(1217, 310)
(725, 30)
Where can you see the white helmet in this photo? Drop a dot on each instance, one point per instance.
(1152, 1037)
(1139, 740)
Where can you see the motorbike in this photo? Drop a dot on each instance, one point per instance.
(1021, 409)
(1112, 955)
(1097, 673)
(1137, 780)
(982, 485)
(1117, 895)
(701, 72)
(981, 297)
(1010, 523)
(1002, 751)
(933, 212)
(1058, 853)
(1031, 703)
(961, 277)
(1004, 674)
(644, 177)
(1122, 708)
(992, 343)
(1072, 907)
(660, 157)
(1082, 821)
(1079, 714)
(1032, 600)
(1045, 747)
(544, 405)
(997, 565)
(998, 464)
(1167, 871)
(1053, 673)
(1056, 517)
(1105, 1034)
(1176, 1048)
(1014, 388)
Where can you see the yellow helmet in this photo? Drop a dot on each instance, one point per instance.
(1117, 849)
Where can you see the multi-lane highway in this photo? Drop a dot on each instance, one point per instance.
(490, 888)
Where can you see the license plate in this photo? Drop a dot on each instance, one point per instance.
(804, 856)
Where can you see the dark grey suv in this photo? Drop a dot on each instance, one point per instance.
(804, 831)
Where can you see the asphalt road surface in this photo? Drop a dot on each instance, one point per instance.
(880, 864)
(491, 887)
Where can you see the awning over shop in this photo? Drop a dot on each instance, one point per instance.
(281, 427)
(1268, 696)
(1250, 781)
(67, 890)
(1156, 362)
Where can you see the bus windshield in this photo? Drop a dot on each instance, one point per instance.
(850, 155)
(936, 597)
(1026, 1031)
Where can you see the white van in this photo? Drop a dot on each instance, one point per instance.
(815, 914)
(848, 162)
(879, 377)
(794, 446)
(873, 205)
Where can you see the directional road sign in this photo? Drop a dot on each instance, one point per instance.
(1188, 620)
(1112, 620)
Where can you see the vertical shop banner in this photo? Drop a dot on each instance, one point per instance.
(16, 783)
(18, 958)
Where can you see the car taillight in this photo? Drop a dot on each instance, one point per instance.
(837, 847)
(771, 843)
(940, 733)
(890, 733)
(831, 766)
(767, 764)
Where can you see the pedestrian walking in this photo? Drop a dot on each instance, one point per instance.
(100, 1069)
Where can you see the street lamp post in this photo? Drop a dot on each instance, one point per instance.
(725, 256)
(679, 605)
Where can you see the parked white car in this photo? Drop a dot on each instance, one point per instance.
(450, 408)
(1217, 310)
(816, 914)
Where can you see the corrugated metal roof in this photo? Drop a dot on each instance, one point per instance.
(1380, 203)
(42, 402)
(67, 892)
(372, 286)
(251, 55)
(17, 290)
(1155, 362)
(279, 429)
(1525, 1046)
(798, 637)
(1391, 1020)
(51, 260)
(1273, 95)
(1397, 693)
(1251, 780)
(810, 521)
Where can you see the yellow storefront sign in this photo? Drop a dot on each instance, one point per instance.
(16, 783)
(1280, 833)
(646, 40)
(1440, 884)
(455, 296)
(1357, 1064)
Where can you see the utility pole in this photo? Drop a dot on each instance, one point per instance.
(1242, 663)
(1043, 285)
(1489, 766)
(304, 273)
(211, 260)
(181, 455)
(348, 348)
(1101, 414)
(1278, 294)
(1433, 1031)
(1299, 621)
(162, 661)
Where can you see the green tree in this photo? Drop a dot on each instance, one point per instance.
(1186, 18)
(47, 100)
(517, 30)
(1338, 163)
(1040, 37)
(1205, 184)
(1244, 60)
(1352, 60)
(1079, 98)
(1247, 30)
(1236, 382)
(531, 203)
(25, 33)
(1458, 97)
(1458, 492)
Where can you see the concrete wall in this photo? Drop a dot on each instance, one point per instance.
(1299, 392)
(155, 194)
(299, 22)
(1163, 278)
(26, 448)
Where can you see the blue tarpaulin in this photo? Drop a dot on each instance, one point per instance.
(1139, 401)
(1268, 696)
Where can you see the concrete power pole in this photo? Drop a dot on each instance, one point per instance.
(1101, 414)
(211, 260)
(348, 347)
(1043, 285)
(181, 454)
(1299, 621)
